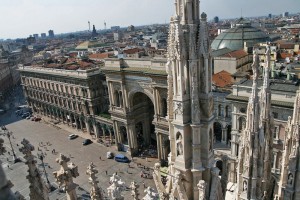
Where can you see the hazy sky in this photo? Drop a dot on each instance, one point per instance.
(20, 18)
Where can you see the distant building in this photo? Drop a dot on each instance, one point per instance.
(43, 35)
(285, 14)
(94, 32)
(118, 36)
(270, 15)
(51, 33)
(115, 28)
(36, 36)
(216, 19)
(130, 28)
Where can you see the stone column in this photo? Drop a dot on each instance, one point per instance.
(96, 129)
(110, 136)
(117, 132)
(104, 135)
(81, 125)
(87, 127)
(159, 146)
(224, 135)
(129, 136)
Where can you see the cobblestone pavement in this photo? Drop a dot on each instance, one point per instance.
(57, 136)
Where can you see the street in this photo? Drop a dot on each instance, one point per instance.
(56, 138)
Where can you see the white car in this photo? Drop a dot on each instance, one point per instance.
(73, 136)
(109, 155)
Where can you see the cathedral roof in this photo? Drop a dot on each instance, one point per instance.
(235, 37)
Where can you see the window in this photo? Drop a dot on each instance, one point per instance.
(219, 110)
(227, 111)
(275, 115)
(242, 123)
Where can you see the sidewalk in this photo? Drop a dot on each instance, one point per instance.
(149, 162)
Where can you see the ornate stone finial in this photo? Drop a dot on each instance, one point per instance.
(203, 16)
(202, 188)
(116, 187)
(134, 190)
(64, 176)
(150, 194)
(38, 189)
(95, 192)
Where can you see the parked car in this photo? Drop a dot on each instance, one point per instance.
(28, 117)
(86, 142)
(109, 155)
(25, 115)
(72, 136)
(121, 158)
(19, 112)
(37, 119)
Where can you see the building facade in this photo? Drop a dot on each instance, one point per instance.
(138, 103)
(78, 98)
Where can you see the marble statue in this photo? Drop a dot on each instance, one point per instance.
(95, 192)
(150, 194)
(116, 187)
(38, 188)
(134, 190)
(202, 189)
(64, 176)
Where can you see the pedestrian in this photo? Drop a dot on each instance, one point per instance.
(100, 157)
(106, 172)
(116, 173)
(144, 184)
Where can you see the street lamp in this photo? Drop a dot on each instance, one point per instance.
(8, 134)
(41, 156)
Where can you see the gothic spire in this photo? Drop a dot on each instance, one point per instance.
(289, 182)
(187, 11)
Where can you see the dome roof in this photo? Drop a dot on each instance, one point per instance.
(235, 37)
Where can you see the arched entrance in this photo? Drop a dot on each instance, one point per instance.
(219, 165)
(142, 112)
(218, 132)
(124, 135)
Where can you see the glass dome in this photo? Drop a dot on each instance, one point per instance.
(235, 37)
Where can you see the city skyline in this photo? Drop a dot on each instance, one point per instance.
(21, 18)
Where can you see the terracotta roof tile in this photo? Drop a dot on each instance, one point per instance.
(236, 54)
(222, 79)
(99, 55)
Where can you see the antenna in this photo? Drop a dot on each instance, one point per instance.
(89, 26)
(104, 25)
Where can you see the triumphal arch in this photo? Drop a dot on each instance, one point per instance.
(138, 103)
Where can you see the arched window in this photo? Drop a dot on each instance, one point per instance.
(117, 99)
(219, 110)
(227, 111)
